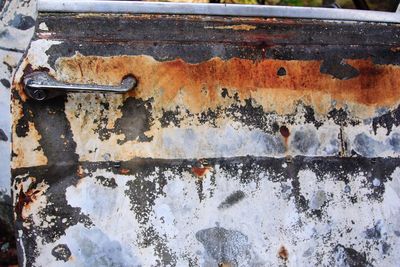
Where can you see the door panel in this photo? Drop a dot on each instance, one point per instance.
(246, 142)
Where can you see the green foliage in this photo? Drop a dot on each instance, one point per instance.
(300, 2)
(253, 2)
(282, 2)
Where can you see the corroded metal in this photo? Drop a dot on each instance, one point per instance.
(247, 142)
(17, 21)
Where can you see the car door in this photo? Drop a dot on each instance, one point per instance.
(161, 134)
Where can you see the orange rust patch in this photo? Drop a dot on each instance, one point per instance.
(240, 27)
(124, 171)
(80, 172)
(200, 171)
(26, 148)
(198, 86)
(395, 49)
(283, 253)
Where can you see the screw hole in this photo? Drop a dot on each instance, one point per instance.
(281, 71)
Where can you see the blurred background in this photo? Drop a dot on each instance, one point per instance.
(381, 5)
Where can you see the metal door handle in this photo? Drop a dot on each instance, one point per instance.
(41, 86)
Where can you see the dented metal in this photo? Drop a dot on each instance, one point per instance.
(247, 142)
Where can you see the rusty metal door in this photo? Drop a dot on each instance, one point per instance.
(243, 140)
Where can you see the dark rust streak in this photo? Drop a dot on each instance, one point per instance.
(285, 134)
(80, 68)
(23, 201)
(284, 131)
(283, 253)
(267, 40)
(200, 28)
(19, 205)
(256, 42)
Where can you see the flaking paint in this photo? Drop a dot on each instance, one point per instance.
(200, 84)
(193, 167)
(198, 88)
(177, 215)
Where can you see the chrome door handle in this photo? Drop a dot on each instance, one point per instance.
(41, 86)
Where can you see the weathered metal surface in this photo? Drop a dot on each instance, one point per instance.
(16, 29)
(247, 142)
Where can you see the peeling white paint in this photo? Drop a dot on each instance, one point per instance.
(264, 219)
(37, 57)
(43, 26)
(21, 244)
(264, 216)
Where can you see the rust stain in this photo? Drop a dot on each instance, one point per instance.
(200, 171)
(283, 253)
(284, 131)
(240, 27)
(28, 69)
(19, 205)
(201, 168)
(26, 148)
(124, 171)
(285, 134)
(194, 18)
(80, 172)
(395, 49)
(24, 199)
(177, 82)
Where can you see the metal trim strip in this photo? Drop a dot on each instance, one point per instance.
(135, 7)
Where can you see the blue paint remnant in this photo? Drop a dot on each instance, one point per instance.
(97, 249)
(22, 22)
(318, 200)
(367, 146)
(344, 256)
(232, 199)
(385, 248)
(3, 136)
(375, 232)
(305, 141)
(333, 147)
(226, 246)
(5, 83)
(394, 142)
(347, 189)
